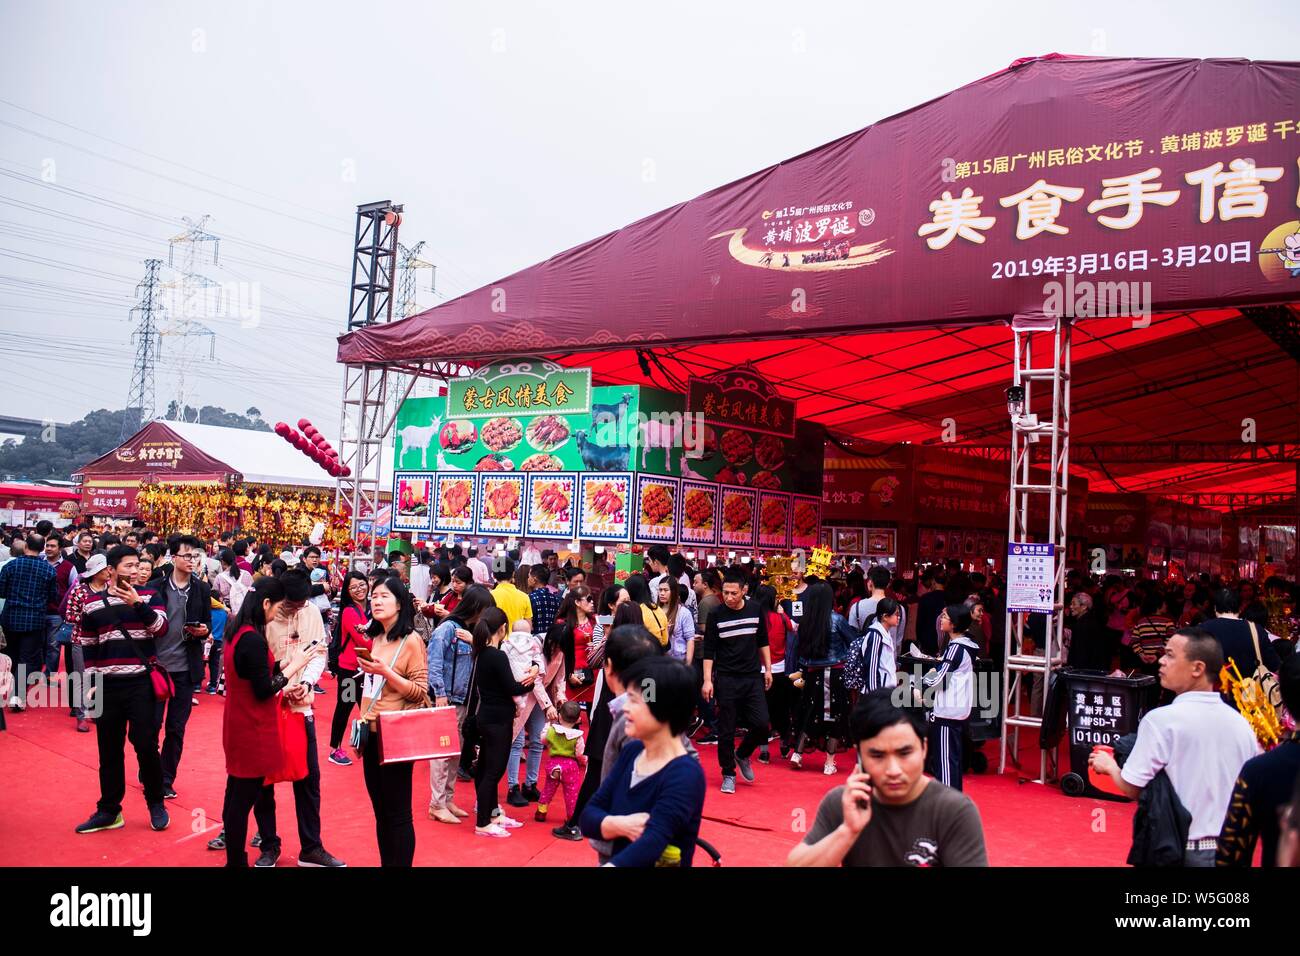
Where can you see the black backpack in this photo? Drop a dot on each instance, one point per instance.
(336, 642)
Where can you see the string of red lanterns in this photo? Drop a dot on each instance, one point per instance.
(313, 444)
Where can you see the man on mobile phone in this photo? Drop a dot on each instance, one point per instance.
(119, 626)
(890, 813)
(180, 650)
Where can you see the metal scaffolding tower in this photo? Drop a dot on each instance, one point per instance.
(1045, 387)
(363, 422)
(145, 337)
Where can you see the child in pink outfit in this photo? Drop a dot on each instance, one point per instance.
(568, 755)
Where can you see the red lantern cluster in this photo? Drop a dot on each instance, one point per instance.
(313, 444)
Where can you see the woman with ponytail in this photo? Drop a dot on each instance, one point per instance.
(250, 728)
(493, 689)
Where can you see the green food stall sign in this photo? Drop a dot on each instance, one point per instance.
(522, 387)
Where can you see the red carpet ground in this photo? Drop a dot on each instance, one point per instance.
(50, 784)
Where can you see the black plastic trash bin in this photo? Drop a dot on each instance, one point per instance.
(1099, 709)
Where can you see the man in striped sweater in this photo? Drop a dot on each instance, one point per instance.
(118, 627)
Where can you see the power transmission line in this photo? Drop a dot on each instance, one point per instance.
(141, 395)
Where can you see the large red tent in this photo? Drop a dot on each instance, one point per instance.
(872, 278)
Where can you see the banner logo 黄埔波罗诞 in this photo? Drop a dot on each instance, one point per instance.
(816, 238)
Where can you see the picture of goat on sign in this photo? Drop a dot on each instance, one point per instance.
(668, 431)
(419, 437)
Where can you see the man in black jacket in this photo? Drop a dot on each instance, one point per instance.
(737, 673)
(928, 609)
(180, 650)
(1234, 635)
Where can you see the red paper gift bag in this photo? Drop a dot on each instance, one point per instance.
(429, 733)
(293, 747)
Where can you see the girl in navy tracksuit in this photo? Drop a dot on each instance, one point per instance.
(954, 683)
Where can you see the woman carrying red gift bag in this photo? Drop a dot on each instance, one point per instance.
(397, 679)
(253, 729)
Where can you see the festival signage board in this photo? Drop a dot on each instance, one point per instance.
(605, 506)
(739, 525)
(552, 505)
(413, 501)
(520, 387)
(774, 510)
(502, 504)
(741, 398)
(699, 522)
(658, 504)
(805, 521)
(606, 435)
(455, 497)
(1031, 577)
(871, 489)
(110, 497)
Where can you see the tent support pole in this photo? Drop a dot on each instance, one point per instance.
(1031, 431)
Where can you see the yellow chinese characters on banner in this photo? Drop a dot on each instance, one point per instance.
(1078, 155)
(1234, 191)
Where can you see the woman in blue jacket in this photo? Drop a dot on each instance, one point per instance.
(450, 663)
(650, 804)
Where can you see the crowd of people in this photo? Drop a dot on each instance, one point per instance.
(602, 694)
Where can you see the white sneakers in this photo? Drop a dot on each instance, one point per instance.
(492, 830)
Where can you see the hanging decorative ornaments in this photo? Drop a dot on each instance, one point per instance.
(313, 444)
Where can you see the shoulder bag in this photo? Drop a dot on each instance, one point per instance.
(360, 738)
(1264, 677)
(164, 688)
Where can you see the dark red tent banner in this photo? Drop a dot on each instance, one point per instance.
(1180, 174)
(156, 451)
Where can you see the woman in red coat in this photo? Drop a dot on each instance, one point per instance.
(250, 728)
(353, 619)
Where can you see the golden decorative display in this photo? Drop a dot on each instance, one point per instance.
(1253, 704)
(819, 565)
(278, 516)
(779, 572)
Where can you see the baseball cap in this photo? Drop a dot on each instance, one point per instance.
(289, 558)
(94, 564)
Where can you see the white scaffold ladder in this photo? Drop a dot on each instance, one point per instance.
(1033, 432)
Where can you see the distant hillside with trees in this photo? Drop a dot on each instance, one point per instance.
(55, 453)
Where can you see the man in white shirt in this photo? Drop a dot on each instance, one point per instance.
(879, 577)
(661, 561)
(1198, 740)
(421, 578)
(478, 569)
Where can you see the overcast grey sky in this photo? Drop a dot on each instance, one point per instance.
(510, 131)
